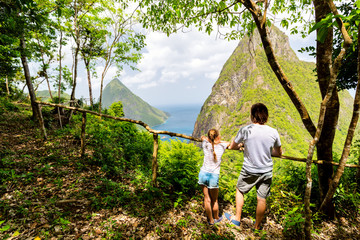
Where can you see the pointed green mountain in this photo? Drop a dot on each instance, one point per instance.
(134, 107)
(246, 78)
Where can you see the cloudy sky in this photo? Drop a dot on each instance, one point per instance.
(180, 69)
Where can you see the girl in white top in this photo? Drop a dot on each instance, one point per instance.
(209, 173)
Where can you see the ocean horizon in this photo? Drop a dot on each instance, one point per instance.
(182, 120)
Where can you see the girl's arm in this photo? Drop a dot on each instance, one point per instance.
(227, 144)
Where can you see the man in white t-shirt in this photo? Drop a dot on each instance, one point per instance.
(260, 143)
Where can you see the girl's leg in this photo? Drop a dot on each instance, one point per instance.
(214, 193)
(207, 204)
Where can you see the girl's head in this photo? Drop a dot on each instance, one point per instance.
(213, 134)
(259, 113)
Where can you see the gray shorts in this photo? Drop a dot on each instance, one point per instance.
(262, 181)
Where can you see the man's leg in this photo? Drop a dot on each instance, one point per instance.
(214, 193)
(239, 204)
(207, 204)
(260, 211)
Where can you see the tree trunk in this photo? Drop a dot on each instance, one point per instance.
(154, 160)
(7, 86)
(319, 131)
(107, 65)
(60, 76)
(101, 91)
(44, 68)
(346, 151)
(72, 99)
(327, 71)
(83, 140)
(35, 107)
(324, 146)
(358, 177)
(77, 43)
(87, 64)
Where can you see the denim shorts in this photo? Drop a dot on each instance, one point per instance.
(210, 180)
(262, 181)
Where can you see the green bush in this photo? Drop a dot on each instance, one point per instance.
(347, 195)
(179, 165)
(7, 106)
(117, 146)
(230, 170)
(116, 109)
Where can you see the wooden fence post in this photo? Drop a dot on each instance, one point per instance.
(41, 120)
(83, 134)
(154, 159)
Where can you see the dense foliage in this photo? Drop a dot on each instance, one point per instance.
(115, 175)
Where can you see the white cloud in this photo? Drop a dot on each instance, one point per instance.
(184, 64)
(148, 85)
(169, 76)
(180, 58)
(139, 78)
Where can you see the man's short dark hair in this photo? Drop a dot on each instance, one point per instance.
(259, 113)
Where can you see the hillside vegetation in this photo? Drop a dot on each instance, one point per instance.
(134, 106)
(49, 192)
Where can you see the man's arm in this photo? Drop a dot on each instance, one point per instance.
(235, 146)
(276, 152)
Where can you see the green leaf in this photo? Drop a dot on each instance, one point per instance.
(357, 4)
(5, 228)
(322, 34)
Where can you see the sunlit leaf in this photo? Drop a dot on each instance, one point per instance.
(5, 228)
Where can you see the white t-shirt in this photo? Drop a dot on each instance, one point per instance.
(209, 165)
(259, 140)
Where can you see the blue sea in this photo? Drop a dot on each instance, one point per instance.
(182, 120)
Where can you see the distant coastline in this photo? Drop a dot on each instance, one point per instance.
(181, 120)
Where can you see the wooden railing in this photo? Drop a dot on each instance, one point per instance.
(156, 139)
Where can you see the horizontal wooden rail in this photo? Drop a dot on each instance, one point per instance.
(147, 127)
(172, 134)
(318, 161)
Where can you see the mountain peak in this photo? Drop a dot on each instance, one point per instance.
(279, 40)
(134, 107)
(116, 82)
(247, 78)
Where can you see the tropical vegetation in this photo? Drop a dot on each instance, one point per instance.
(49, 189)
